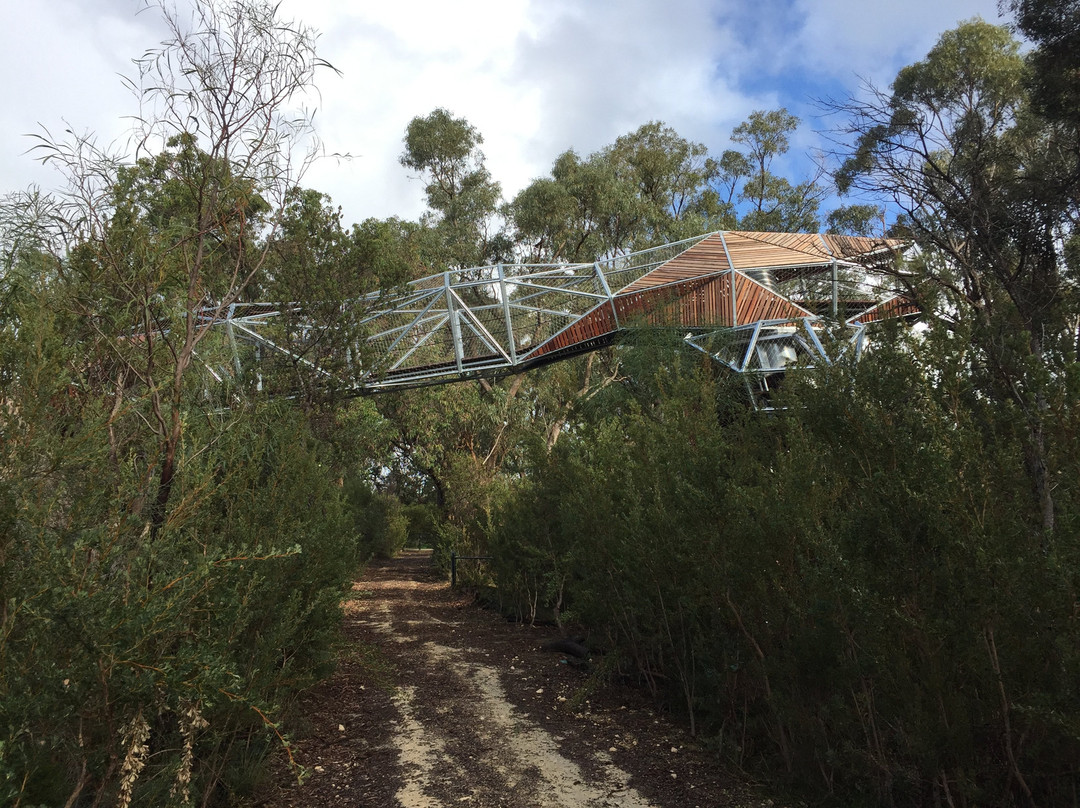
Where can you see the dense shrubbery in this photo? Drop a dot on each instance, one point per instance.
(423, 524)
(173, 547)
(176, 655)
(873, 593)
(379, 519)
(158, 667)
(850, 594)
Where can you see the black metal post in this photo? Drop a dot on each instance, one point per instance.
(453, 569)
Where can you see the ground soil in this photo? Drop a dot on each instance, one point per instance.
(438, 702)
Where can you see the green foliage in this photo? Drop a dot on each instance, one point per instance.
(988, 190)
(423, 525)
(771, 202)
(974, 69)
(671, 177)
(856, 220)
(653, 186)
(461, 194)
(650, 186)
(202, 636)
(172, 555)
(312, 258)
(395, 251)
(844, 596)
(378, 519)
(1054, 25)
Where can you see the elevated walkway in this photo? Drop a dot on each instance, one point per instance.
(756, 302)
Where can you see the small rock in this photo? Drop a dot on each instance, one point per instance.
(340, 727)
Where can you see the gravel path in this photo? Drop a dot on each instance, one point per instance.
(439, 703)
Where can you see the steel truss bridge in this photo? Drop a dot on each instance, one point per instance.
(755, 302)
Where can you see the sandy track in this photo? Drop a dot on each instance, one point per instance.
(439, 738)
(469, 710)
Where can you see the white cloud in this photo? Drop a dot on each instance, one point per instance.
(873, 39)
(60, 61)
(624, 63)
(535, 77)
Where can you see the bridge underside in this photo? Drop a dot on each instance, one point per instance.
(755, 302)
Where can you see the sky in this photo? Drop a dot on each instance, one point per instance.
(534, 77)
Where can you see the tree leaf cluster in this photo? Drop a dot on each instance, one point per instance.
(174, 547)
(870, 596)
(847, 597)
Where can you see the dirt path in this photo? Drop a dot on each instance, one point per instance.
(439, 703)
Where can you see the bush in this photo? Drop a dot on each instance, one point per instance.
(137, 669)
(423, 525)
(854, 597)
(378, 519)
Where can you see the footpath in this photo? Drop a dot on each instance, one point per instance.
(437, 702)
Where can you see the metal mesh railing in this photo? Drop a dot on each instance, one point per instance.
(501, 318)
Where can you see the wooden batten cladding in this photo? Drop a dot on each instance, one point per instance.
(597, 323)
(695, 303)
(702, 302)
(749, 251)
(707, 257)
(754, 302)
(786, 254)
(899, 306)
(706, 303)
(699, 302)
(806, 248)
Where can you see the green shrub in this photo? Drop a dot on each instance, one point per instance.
(187, 647)
(423, 525)
(853, 597)
(378, 519)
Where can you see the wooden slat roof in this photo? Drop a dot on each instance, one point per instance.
(746, 250)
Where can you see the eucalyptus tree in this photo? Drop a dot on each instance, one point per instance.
(577, 214)
(222, 138)
(157, 608)
(648, 187)
(462, 197)
(857, 220)
(1054, 26)
(766, 200)
(986, 187)
(1053, 80)
(324, 278)
(653, 186)
(444, 444)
